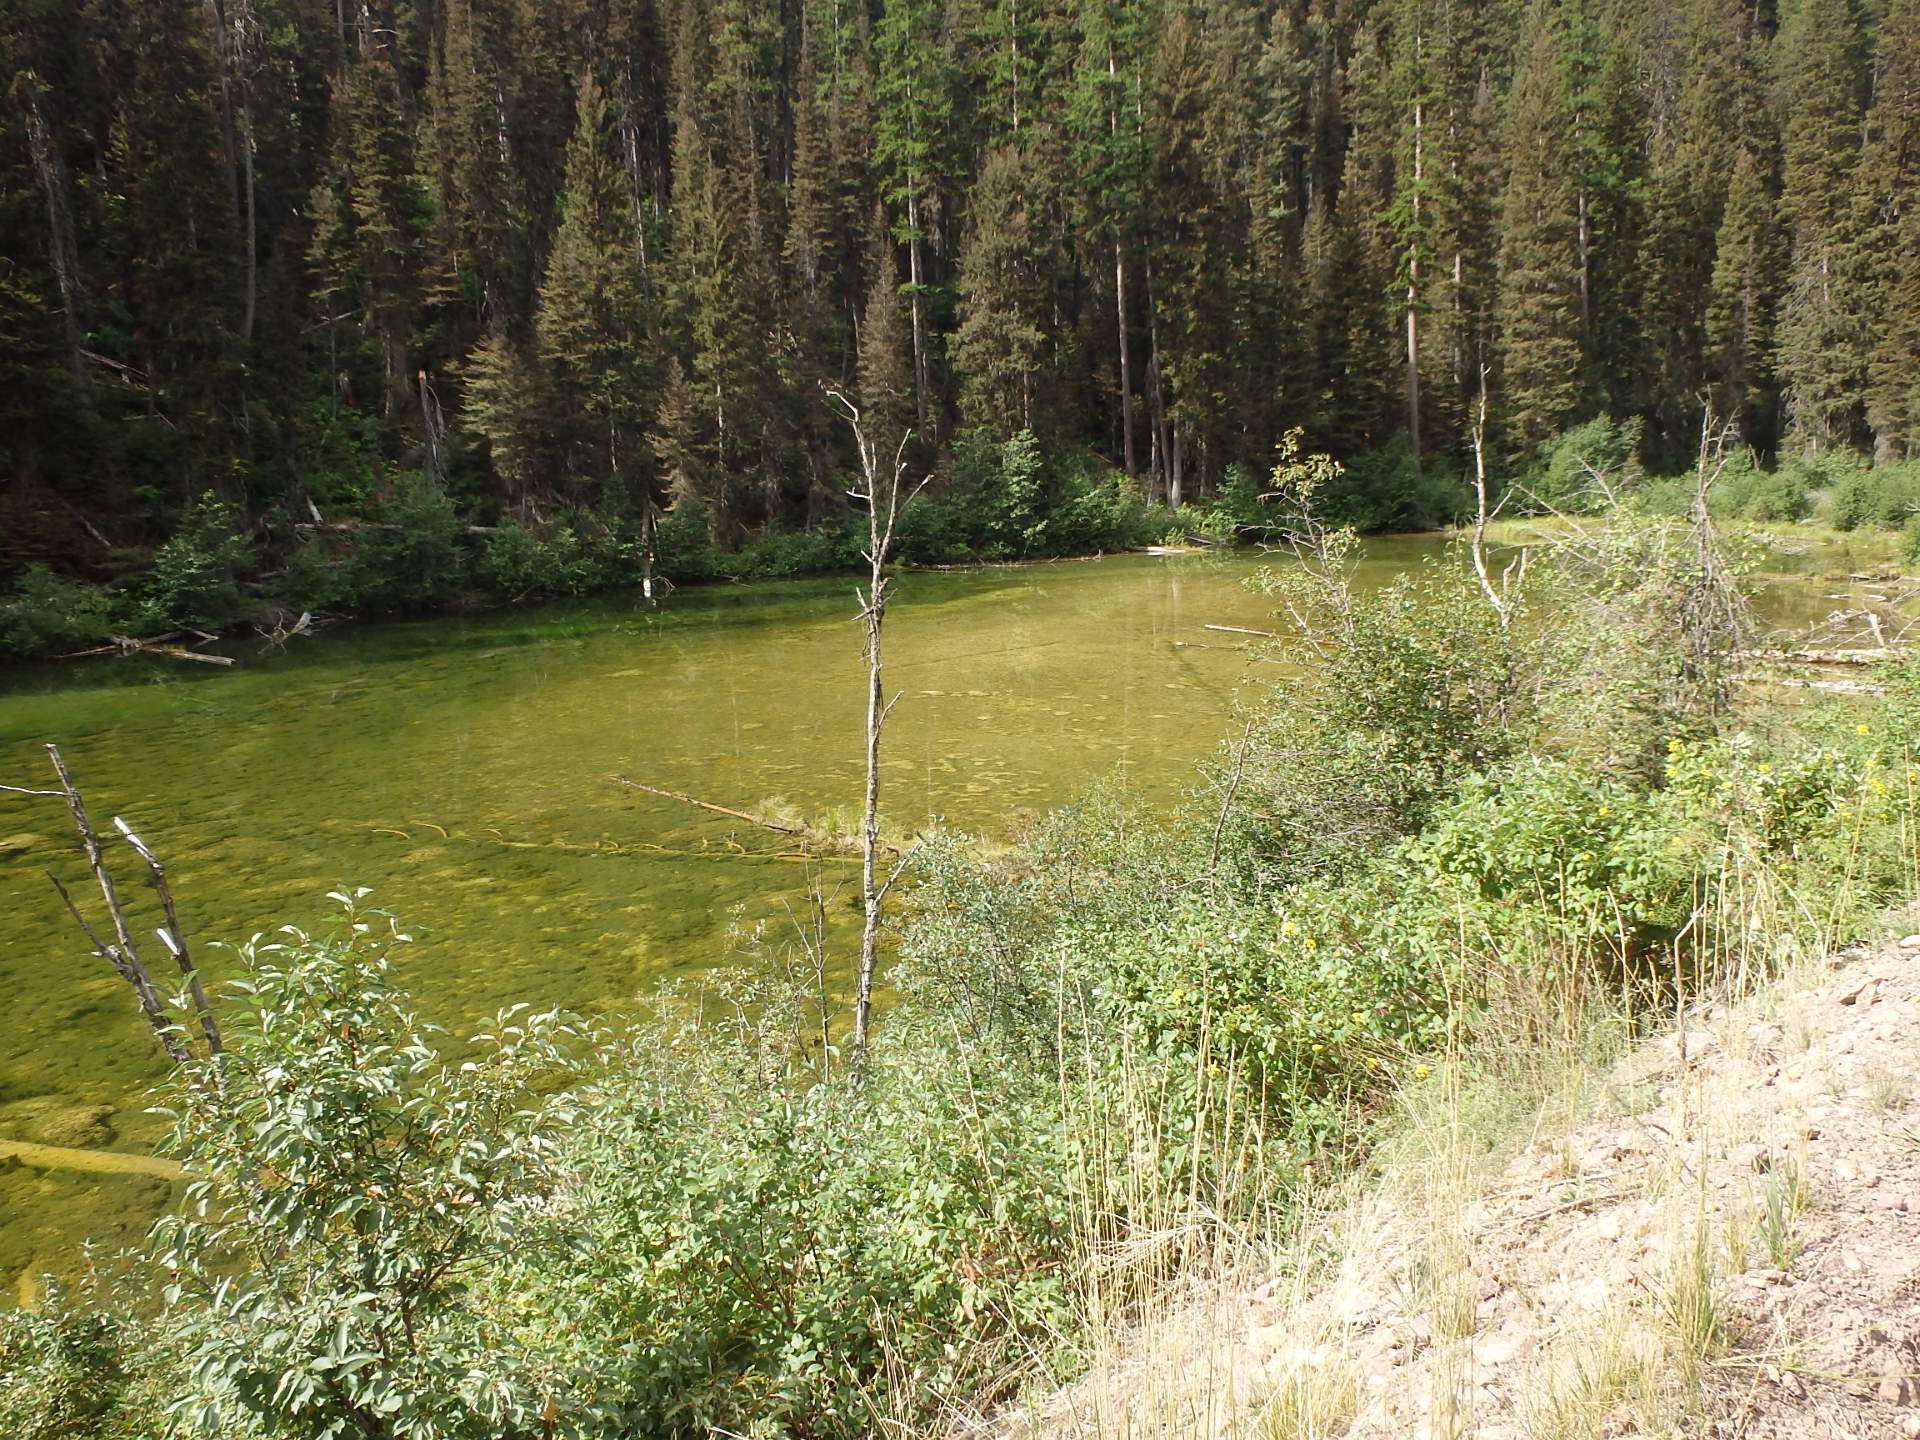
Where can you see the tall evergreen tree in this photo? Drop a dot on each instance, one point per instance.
(1743, 291)
(1890, 193)
(1821, 354)
(593, 335)
(1001, 346)
(1540, 357)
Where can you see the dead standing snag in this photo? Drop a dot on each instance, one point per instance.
(884, 499)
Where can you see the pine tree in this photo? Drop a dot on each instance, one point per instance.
(479, 243)
(917, 90)
(1104, 152)
(368, 210)
(1821, 350)
(506, 405)
(1540, 358)
(886, 354)
(1001, 346)
(1742, 294)
(174, 214)
(1713, 117)
(1890, 168)
(591, 325)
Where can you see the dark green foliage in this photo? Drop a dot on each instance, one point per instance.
(194, 583)
(541, 254)
(1576, 471)
(47, 615)
(64, 1370)
(1886, 496)
(1392, 489)
(409, 556)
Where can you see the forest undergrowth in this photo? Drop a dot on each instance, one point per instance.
(1484, 807)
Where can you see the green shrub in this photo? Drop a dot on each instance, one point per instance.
(516, 563)
(1391, 489)
(795, 552)
(355, 1184)
(409, 557)
(64, 1371)
(194, 581)
(46, 615)
(1562, 475)
(683, 549)
(1857, 497)
(1103, 513)
(1744, 491)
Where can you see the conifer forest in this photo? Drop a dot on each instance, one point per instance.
(274, 269)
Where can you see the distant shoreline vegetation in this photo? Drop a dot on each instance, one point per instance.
(412, 549)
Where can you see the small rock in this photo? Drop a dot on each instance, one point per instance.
(1910, 942)
(1849, 991)
(1695, 1042)
(1890, 1201)
(1893, 1390)
(1910, 1427)
(1607, 1227)
(1853, 1263)
(1497, 1350)
(1790, 1383)
(1846, 1169)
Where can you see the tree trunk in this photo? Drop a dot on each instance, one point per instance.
(63, 247)
(1129, 459)
(1413, 292)
(914, 275)
(870, 898)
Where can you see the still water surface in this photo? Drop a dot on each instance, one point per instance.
(458, 767)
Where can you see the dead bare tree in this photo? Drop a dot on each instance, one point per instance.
(885, 496)
(1713, 618)
(1501, 594)
(121, 952)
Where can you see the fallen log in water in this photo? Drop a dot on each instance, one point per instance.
(1865, 655)
(763, 821)
(130, 645)
(824, 842)
(100, 1162)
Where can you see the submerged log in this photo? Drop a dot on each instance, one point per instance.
(130, 645)
(763, 821)
(1864, 655)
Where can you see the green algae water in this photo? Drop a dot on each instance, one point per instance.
(458, 767)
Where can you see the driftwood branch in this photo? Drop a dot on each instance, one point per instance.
(120, 951)
(123, 956)
(174, 938)
(1241, 630)
(764, 822)
(1873, 655)
(130, 645)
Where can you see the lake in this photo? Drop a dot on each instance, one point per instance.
(458, 767)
